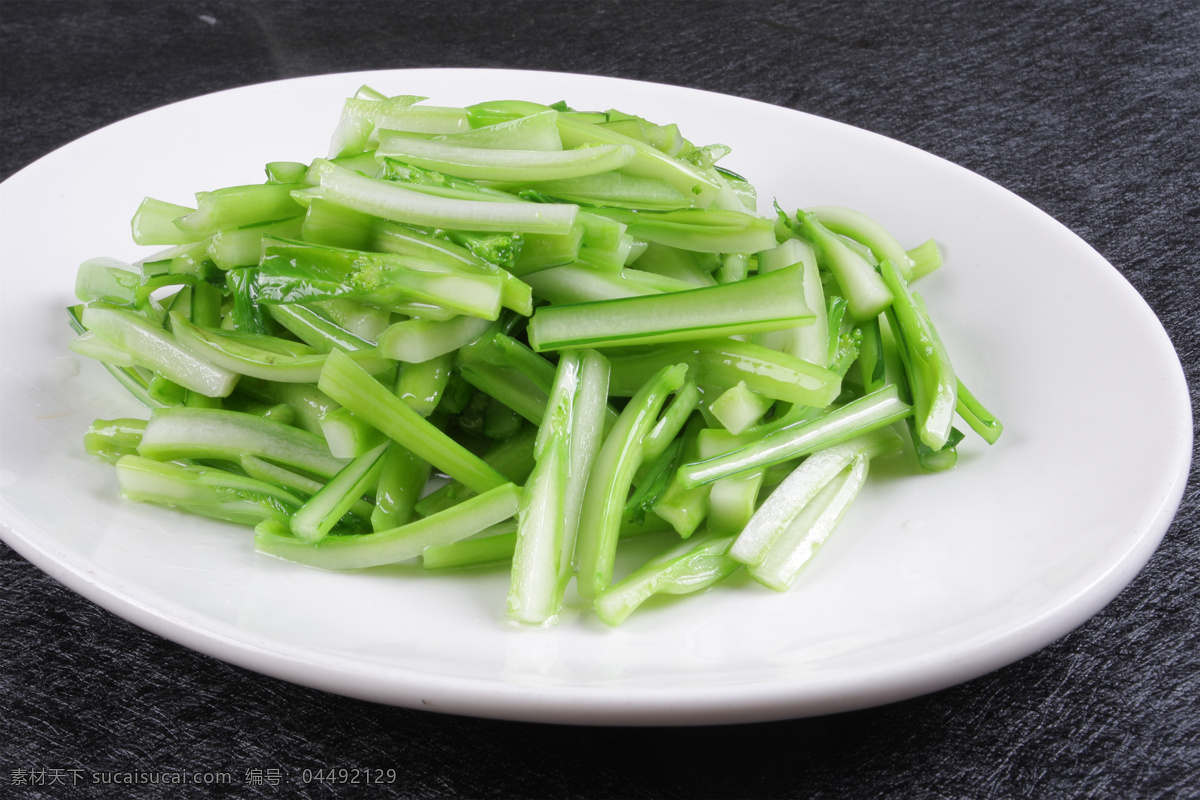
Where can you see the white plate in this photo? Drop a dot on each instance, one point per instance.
(931, 580)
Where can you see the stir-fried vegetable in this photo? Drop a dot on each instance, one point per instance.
(576, 319)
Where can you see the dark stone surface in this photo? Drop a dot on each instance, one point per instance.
(1090, 110)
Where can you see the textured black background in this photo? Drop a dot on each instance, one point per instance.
(1090, 110)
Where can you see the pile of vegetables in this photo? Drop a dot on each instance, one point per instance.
(519, 334)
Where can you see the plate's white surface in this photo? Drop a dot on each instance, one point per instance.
(931, 580)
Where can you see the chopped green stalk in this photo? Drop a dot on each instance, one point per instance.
(610, 479)
(512, 458)
(979, 418)
(363, 163)
(280, 412)
(767, 302)
(404, 475)
(418, 340)
(436, 120)
(614, 190)
(89, 345)
(866, 414)
(367, 93)
(285, 171)
(533, 596)
(144, 293)
(651, 480)
(495, 545)
(411, 243)
(687, 568)
(364, 321)
(205, 304)
(861, 249)
(648, 162)
(544, 251)
(155, 349)
(725, 362)
(698, 229)
(182, 300)
(497, 111)
(797, 491)
(734, 199)
(402, 240)
(399, 544)
(395, 202)
(734, 267)
(131, 377)
(601, 233)
(307, 402)
(422, 385)
(175, 433)
(686, 266)
(315, 330)
(808, 342)
(940, 460)
(799, 543)
(350, 385)
(347, 435)
(500, 249)
(609, 259)
(732, 500)
(241, 247)
(504, 165)
(359, 116)
(590, 417)
(238, 206)
(861, 285)
(893, 369)
(739, 408)
(836, 308)
(169, 393)
(189, 259)
(508, 386)
(337, 226)
(861, 228)
(296, 272)
(870, 359)
(581, 283)
(299, 485)
(154, 224)
(745, 193)
(108, 280)
(321, 512)
(263, 356)
(197, 400)
(925, 258)
(201, 490)
(673, 418)
(112, 438)
(510, 372)
(666, 138)
(439, 184)
(535, 132)
(926, 363)
(684, 509)
(363, 121)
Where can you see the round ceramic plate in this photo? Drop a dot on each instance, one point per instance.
(929, 581)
